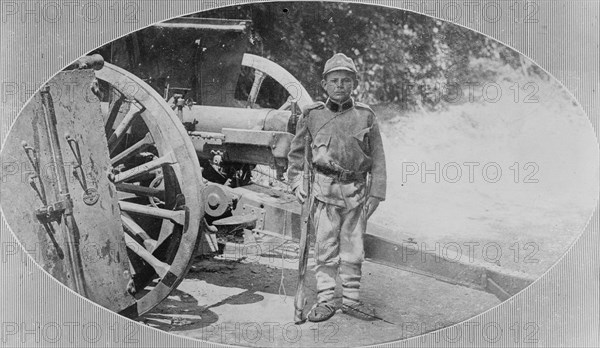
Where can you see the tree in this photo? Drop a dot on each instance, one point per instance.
(402, 57)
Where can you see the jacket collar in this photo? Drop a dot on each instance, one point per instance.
(336, 107)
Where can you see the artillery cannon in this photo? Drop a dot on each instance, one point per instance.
(120, 186)
(112, 192)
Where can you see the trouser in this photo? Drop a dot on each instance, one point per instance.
(338, 250)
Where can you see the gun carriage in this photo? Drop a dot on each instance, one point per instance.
(151, 158)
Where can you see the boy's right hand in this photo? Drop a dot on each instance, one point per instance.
(300, 194)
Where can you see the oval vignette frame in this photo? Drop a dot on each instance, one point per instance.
(528, 290)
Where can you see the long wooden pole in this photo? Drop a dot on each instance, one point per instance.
(300, 298)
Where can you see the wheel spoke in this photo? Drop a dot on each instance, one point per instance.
(165, 231)
(134, 149)
(117, 135)
(115, 110)
(141, 190)
(160, 267)
(133, 227)
(286, 105)
(146, 167)
(259, 77)
(177, 216)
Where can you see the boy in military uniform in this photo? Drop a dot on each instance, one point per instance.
(349, 182)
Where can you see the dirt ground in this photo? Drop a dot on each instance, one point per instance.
(249, 301)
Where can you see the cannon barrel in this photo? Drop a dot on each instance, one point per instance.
(215, 118)
(240, 135)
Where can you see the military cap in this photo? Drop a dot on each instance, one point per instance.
(339, 61)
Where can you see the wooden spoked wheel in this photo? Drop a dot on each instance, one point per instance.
(263, 174)
(158, 182)
(264, 67)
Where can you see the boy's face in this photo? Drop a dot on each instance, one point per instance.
(338, 85)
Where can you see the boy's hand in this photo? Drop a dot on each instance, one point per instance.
(371, 205)
(300, 194)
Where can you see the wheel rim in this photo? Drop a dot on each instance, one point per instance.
(265, 175)
(161, 218)
(297, 92)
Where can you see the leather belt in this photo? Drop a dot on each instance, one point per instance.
(342, 176)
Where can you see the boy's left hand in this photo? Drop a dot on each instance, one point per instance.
(371, 205)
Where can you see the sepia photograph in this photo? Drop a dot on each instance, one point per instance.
(311, 174)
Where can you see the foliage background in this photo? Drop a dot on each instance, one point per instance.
(403, 58)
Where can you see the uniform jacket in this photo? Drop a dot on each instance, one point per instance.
(342, 136)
